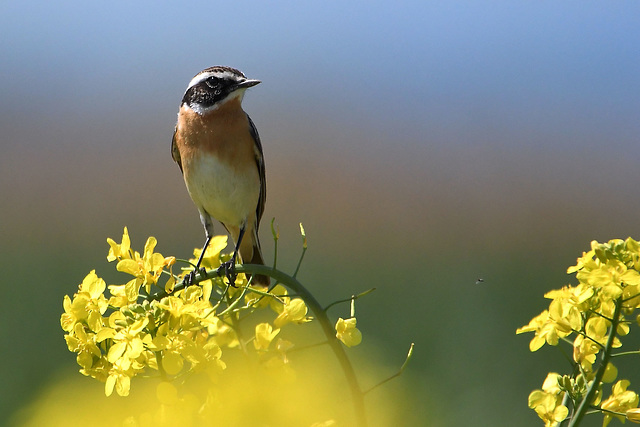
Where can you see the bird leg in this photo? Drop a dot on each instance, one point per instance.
(230, 266)
(191, 277)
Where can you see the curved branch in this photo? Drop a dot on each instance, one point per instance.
(320, 313)
(327, 327)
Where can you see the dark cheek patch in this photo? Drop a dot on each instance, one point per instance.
(205, 94)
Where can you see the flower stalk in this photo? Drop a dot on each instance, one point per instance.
(585, 404)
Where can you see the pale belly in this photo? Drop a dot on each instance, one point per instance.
(227, 194)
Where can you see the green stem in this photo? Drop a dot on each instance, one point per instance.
(626, 353)
(320, 314)
(591, 393)
(327, 327)
(295, 273)
(353, 297)
(397, 374)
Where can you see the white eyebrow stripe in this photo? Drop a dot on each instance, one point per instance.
(204, 76)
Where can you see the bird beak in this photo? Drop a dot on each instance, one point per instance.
(247, 84)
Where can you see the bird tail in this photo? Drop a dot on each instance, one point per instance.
(259, 279)
(250, 253)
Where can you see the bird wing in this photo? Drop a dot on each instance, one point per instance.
(259, 157)
(175, 153)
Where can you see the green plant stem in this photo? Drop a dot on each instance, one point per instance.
(397, 374)
(353, 297)
(585, 404)
(627, 353)
(304, 250)
(327, 327)
(320, 314)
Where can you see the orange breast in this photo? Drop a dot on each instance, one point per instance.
(218, 160)
(223, 132)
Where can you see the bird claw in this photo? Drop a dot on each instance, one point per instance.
(229, 269)
(190, 278)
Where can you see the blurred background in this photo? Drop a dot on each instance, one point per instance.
(424, 145)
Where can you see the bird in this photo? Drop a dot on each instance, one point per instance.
(218, 150)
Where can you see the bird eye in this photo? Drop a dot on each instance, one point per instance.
(212, 83)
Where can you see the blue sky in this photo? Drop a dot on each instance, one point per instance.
(432, 64)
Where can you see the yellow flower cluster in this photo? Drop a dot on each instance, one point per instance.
(595, 312)
(548, 402)
(146, 326)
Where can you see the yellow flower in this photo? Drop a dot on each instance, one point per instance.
(88, 305)
(610, 373)
(119, 297)
(631, 295)
(565, 316)
(129, 343)
(118, 380)
(264, 335)
(84, 344)
(577, 296)
(548, 402)
(585, 261)
(146, 268)
(633, 415)
(282, 347)
(544, 329)
(127, 349)
(631, 278)
(347, 332)
(279, 298)
(74, 311)
(172, 362)
(93, 285)
(551, 384)
(584, 352)
(119, 251)
(547, 407)
(596, 329)
(294, 310)
(223, 334)
(620, 400)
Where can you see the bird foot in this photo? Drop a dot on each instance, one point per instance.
(229, 269)
(190, 278)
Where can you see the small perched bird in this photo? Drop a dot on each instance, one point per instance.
(218, 150)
